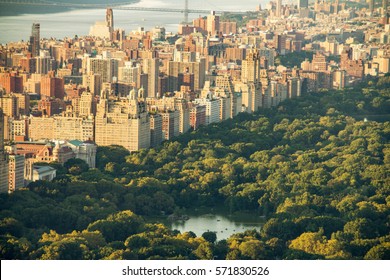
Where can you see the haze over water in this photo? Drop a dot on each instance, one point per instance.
(78, 22)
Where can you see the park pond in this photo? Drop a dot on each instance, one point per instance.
(220, 222)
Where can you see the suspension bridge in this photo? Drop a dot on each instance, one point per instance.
(118, 6)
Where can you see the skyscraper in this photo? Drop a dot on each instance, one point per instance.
(384, 6)
(110, 18)
(303, 4)
(151, 67)
(278, 12)
(34, 39)
(3, 158)
(107, 68)
(15, 172)
(371, 6)
(212, 24)
(250, 71)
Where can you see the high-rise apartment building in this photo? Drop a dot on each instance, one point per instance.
(129, 74)
(197, 116)
(269, 55)
(11, 82)
(73, 127)
(151, 68)
(18, 129)
(280, 43)
(226, 83)
(107, 68)
(184, 115)
(371, 4)
(212, 108)
(122, 122)
(92, 82)
(212, 24)
(303, 4)
(23, 100)
(9, 105)
(52, 87)
(278, 11)
(170, 124)
(251, 96)
(250, 72)
(319, 63)
(41, 128)
(200, 24)
(65, 127)
(197, 68)
(44, 63)
(15, 172)
(87, 104)
(3, 158)
(156, 135)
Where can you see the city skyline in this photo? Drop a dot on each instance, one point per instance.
(64, 24)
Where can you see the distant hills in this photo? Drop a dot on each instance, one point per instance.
(17, 9)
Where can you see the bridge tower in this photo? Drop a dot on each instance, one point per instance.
(186, 11)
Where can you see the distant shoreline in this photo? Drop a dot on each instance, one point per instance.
(16, 9)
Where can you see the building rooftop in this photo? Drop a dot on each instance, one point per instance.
(75, 142)
(42, 169)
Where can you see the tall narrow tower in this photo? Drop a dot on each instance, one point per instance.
(278, 12)
(303, 4)
(250, 72)
(384, 6)
(186, 11)
(110, 18)
(371, 6)
(34, 39)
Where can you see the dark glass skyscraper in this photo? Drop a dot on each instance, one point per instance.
(303, 3)
(34, 39)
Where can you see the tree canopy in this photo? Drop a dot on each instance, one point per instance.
(312, 166)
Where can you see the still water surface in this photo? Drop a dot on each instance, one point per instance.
(224, 225)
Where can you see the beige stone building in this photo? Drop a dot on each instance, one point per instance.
(93, 82)
(123, 122)
(251, 96)
(72, 127)
(41, 128)
(65, 127)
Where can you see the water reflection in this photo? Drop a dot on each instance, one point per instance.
(224, 226)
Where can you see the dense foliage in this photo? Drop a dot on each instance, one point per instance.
(320, 176)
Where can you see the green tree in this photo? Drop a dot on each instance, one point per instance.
(210, 236)
(76, 166)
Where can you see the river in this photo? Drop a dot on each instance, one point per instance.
(78, 22)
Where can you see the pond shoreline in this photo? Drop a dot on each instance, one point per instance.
(217, 220)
